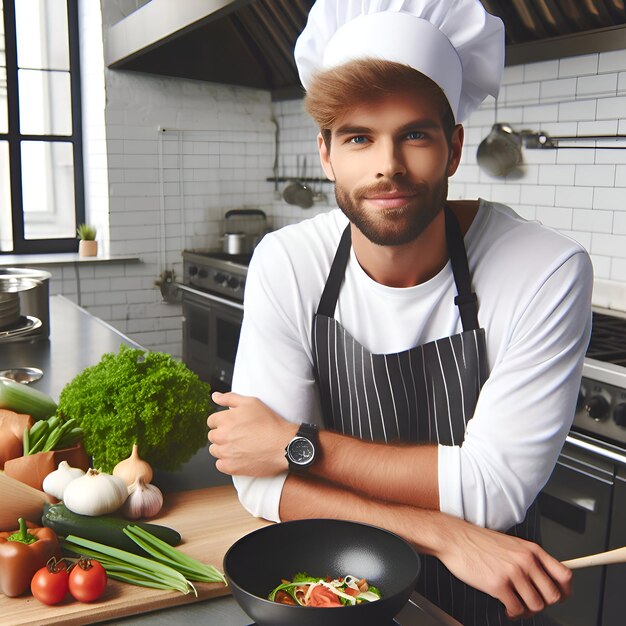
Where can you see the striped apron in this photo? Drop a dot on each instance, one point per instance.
(425, 394)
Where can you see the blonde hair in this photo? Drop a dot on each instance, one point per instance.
(332, 92)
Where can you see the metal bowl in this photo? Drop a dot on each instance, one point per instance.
(22, 374)
(257, 562)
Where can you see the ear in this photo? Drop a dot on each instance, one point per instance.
(325, 157)
(456, 149)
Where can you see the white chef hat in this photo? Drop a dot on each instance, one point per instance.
(456, 43)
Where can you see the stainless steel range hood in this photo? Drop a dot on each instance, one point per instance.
(250, 42)
(239, 42)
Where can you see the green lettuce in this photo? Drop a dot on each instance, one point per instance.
(147, 398)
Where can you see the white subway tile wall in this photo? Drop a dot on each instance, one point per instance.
(165, 159)
(581, 192)
(180, 153)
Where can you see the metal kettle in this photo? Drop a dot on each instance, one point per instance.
(243, 230)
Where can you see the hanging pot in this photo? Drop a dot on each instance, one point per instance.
(298, 193)
(501, 151)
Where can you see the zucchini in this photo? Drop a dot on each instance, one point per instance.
(106, 529)
(24, 399)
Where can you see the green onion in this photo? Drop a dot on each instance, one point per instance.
(26, 441)
(38, 430)
(189, 567)
(25, 399)
(129, 567)
(52, 434)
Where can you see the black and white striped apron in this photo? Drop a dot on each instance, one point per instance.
(424, 394)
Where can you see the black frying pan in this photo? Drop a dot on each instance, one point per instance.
(257, 562)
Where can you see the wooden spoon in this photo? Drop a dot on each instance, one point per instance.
(602, 558)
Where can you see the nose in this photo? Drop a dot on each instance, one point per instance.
(390, 161)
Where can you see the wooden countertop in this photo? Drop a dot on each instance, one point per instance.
(209, 520)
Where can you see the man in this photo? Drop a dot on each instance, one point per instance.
(430, 351)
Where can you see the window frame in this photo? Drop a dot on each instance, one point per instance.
(14, 137)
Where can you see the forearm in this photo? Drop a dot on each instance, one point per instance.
(518, 573)
(304, 498)
(404, 474)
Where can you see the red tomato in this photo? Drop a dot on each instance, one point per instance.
(322, 596)
(88, 580)
(50, 583)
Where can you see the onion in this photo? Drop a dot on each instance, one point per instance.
(132, 468)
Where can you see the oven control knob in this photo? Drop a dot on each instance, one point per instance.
(597, 407)
(233, 283)
(619, 414)
(193, 270)
(220, 278)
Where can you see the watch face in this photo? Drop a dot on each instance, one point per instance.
(301, 451)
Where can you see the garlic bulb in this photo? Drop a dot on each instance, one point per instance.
(95, 493)
(55, 482)
(144, 500)
(133, 467)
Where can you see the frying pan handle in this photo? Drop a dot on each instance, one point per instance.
(233, 212)
(603, 558)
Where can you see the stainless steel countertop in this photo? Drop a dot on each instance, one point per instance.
(226, 612)
(77, 340)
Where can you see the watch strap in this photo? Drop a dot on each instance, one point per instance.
(310, 431)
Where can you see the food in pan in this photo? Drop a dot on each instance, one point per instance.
(305, 590)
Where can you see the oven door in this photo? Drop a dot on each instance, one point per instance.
(615, 594)
(575, 509)
(211, 328)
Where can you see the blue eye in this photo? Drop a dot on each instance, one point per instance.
(359, 139)
(414, 134)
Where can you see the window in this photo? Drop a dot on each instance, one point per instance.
(41, 168)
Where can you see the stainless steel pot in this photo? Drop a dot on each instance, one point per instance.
(34, 297)
(235, 243)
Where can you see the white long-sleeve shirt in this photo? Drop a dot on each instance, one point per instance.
(534, 293)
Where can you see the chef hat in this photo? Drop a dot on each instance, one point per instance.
(456, 43)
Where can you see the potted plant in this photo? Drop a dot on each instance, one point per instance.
(87, 246)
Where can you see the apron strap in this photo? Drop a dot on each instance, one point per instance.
(330, 295)
(466, 299)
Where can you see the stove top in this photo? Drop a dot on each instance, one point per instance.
(216, 272)
(601, 408)
(608, 339)
(208, 255)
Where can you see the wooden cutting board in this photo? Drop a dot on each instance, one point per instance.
(209, 520)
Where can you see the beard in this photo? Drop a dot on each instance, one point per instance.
(396, 226)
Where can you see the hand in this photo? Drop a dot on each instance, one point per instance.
(249, 439)
(519, 573)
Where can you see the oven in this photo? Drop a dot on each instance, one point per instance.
(212, 299)
(583, 506)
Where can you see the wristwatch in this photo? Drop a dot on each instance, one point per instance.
(303, 449)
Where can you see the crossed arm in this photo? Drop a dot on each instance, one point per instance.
(359, 481)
